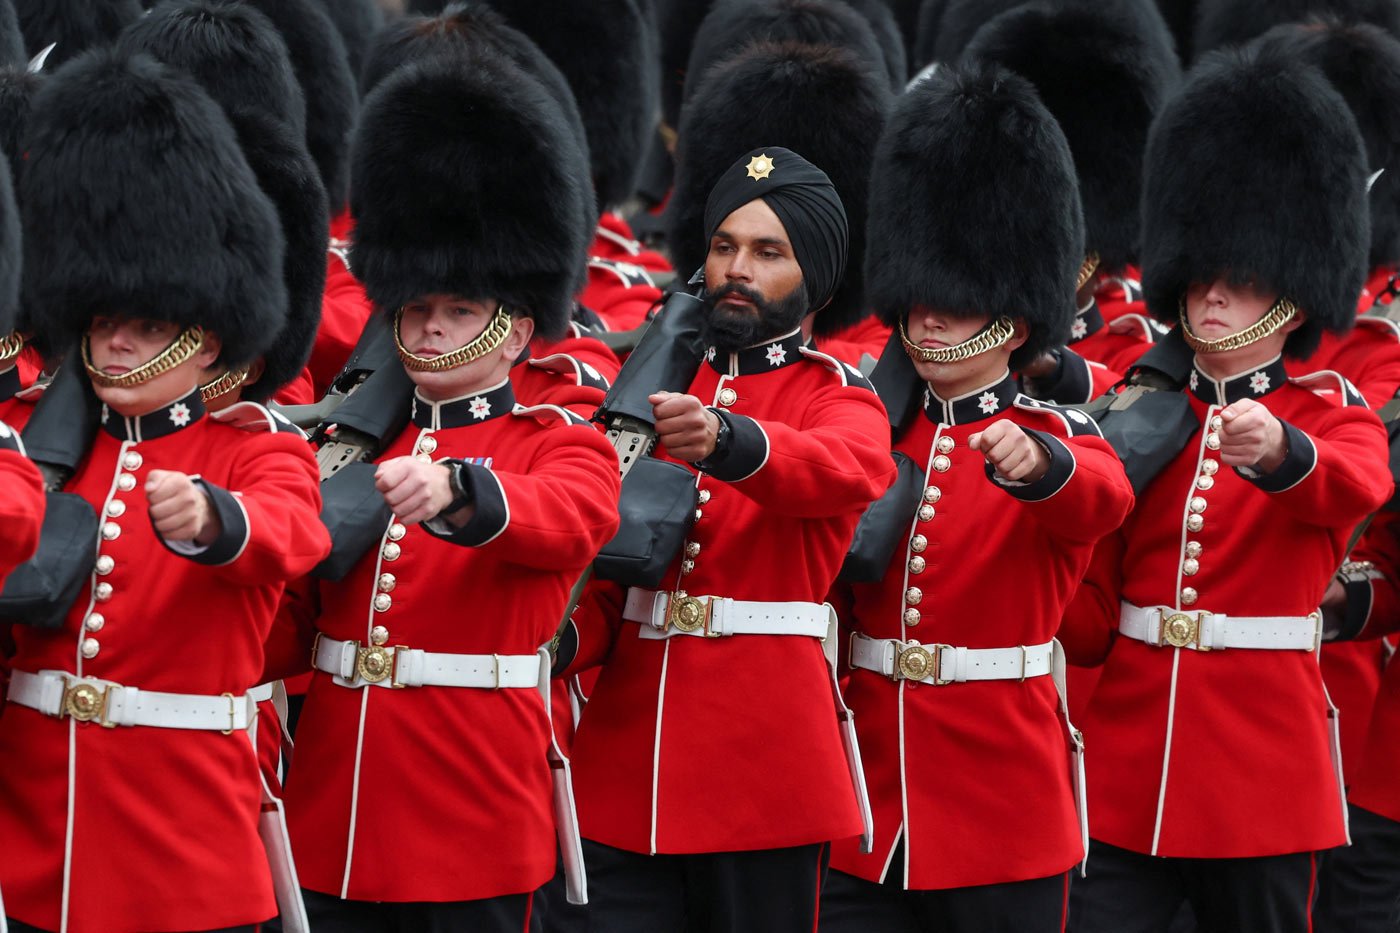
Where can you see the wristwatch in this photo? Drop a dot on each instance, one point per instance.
(461, 492)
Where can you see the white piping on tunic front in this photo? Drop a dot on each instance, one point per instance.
(656, 747)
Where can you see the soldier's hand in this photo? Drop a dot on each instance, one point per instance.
(414, 490)
(1250, 436)
(1012, 452)
(686, 428)
(180, 510)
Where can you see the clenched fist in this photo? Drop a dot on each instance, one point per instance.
(414, 490)
(180, 510)
(1013, 453)
(1250, 436)
(687, 429)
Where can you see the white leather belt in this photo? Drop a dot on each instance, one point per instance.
(662, 615)
(60, 694)
(1163, 626)
(946, 664)
(354, 665)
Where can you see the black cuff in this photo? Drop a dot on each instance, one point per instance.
(492, 511)
(1356, 579)
(1055, 478)
(565, 649)
(747, 450)
(1072, 383)
(1296, 465)
(233, 537)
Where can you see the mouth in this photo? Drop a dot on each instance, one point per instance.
(932, 343)
(738, 301)
(427, 351)
(114, 370)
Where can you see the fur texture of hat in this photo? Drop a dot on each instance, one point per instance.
(11, 254)
(771, 95)
(75, 25)
(677, 21)
(1231, 22)
(358, 21)
(974, 206)
(882, 22)
(466, 180)
(1104, 70)
(959, 21)
(605, 49)
(1255, 172)
(323, 69)
(138, 200)
(12, 53)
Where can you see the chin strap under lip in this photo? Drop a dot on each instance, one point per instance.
(181, 350)
(488, 341)
(994, 335)
(1280, 314)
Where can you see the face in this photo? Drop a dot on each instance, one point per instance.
(1218, 309)
(118, 345)
(754, 288)
(438, 324)
(935, 329)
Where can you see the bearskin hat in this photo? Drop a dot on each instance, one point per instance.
(958, 23)
(1103, 70)
(12, 53)
(1255, 171)
(10, 254)
(466, 180)
(1232, 22)
(75, 25)
(677, 21)
(777, 87)
(974, 206)
(925, 44)
(1180, 17)
(604, 48)
(464, 29)
(1363, 64)
(882, 22)
(357, 21)
(18, 88)
(138, 200)
(323, 70)
(239, 58)
(732, 25)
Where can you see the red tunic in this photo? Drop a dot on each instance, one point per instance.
(1227, 753)
(173, 811)
(694, 745)
(620, 286)
(21, 502)
(969, 761)
(865, 338)
(344, 310)
(444, 793)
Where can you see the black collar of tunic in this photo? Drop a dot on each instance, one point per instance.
(976, 405)
(1256, 383)
(763, 358)
(464, 410)
(166, 420)
(9, 384)
(1087, 322)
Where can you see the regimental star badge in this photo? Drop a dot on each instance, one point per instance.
(760, 166)
(179, 414)
(1079, 329)
(777, 354)
(1259, 382)
(479, 408)
(987, 401)
(1195, 382)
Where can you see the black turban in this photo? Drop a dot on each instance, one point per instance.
(804, 200)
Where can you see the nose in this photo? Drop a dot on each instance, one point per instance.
(930, 318)
(123, 336)
(1215, 295)
(739, 269)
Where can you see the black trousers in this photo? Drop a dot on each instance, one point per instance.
(511, 913)
(854, 905)
(765, 891)
(17, 927)
(1360, 885)
(1127, 892)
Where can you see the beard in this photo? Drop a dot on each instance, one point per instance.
(729, 329)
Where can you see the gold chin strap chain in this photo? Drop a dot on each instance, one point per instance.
(990, 337)
(1280, 314)
(1087, 270)
(10, 347)
(181, 350)
(224, 384)
(488, 341)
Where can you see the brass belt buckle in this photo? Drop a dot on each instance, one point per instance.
(86, 702)
(1181, 630)
(686, 613)
(378, 663)
(915, 662)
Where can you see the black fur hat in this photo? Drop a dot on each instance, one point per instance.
(12, 52)
(1180, 17)
(1363, 64)
(138, 200)
(974, 206)
(465, 29)
(1232, 22)
(358, 21)
(953, 28)
(1103, 69)
(10, 254)
(468, 181)
(239, 58)
(75, 25)
(677, 21)
(231, 49)
(1256, 171)
(604, 48)
(733, 25)
(768, 95)
(18, 88)
(882, 22)
(323, 69)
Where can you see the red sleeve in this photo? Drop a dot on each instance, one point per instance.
(596, 621)
(287, 652)
(344, 310)
(1091, 618)
(21, 507)
(1084, 494)
(1371, 580)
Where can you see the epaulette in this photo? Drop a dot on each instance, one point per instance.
(629, 274)
(850, 376)
(340, 250)
(1332, 385)
(582, 373)
(1138, 325)
(1382, 317)
(10, 439)
(1077, 424)
(547, 413)
(250, 416)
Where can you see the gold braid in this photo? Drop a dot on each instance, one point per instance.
(181, 350)
(1280, 314)
(10, 347)
(1087, 270)
(989, 338)
(488, 341)
(224, 384)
